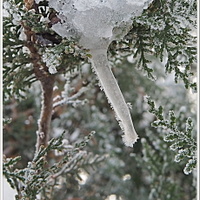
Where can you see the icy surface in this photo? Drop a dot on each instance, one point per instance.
(95, 24)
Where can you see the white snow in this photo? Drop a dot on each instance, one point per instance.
(95, 24)
(52, 61)
(9, 10)
(52, 70)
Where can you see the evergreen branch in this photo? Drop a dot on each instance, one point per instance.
(164, 30)
(30, 181)
(182, 142)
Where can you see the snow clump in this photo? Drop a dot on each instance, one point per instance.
(96, 23)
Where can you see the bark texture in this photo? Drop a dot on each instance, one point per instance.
(47, 81)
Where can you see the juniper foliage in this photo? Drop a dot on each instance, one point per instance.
(182, 142)
(162, 39)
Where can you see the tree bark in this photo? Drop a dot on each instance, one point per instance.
(44, 121)
(47, 81)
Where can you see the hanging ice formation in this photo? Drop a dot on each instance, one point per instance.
(95, 24)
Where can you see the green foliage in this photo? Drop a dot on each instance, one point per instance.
(16, 55)
(159, 169)
(16, 62)
(6, 121)
(162, 38)
(163, 177)
(11, 175)
(182, 142)
(39, 176)
(165, 30)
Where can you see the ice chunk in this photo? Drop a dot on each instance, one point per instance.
(94, 20)
(95, 24)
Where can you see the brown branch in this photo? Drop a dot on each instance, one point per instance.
(46, 112)
(47, 82)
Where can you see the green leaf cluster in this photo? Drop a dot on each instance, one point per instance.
(182, 142)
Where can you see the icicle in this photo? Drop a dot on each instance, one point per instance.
(107, 80)
(95, 25)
